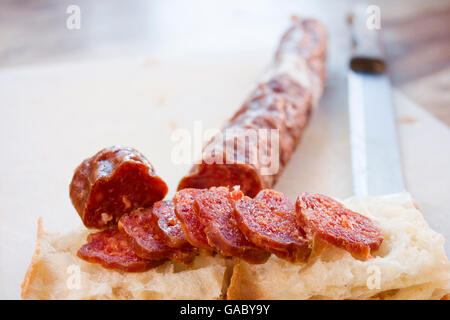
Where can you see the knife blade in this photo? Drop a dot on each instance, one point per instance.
(376, 161)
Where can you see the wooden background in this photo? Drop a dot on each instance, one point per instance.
(416, 34)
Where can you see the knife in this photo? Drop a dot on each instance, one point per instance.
(376, 162)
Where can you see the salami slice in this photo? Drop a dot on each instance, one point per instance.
(327, 220)
(214, 209)
(269, 221)
(111, 249)
(169, 225)
(114, 181)
(147, 241)
(193, 229)
(255, 145)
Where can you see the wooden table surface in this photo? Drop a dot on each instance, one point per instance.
(416, 34)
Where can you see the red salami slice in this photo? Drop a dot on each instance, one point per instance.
(214, 209)
(269, 221)
(111, 249)
(115, 181)
(192, 228)
(327, 220)
(146, 240)
(169, 225)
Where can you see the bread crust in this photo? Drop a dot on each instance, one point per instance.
(241, 287)
(411, 263)
(427, 278)
(47, 275)
(25, 286)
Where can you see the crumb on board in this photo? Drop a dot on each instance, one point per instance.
(160, 101)
(173, 125)
(149, 62)
(407, 119)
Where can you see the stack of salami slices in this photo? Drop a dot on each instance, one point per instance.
(117, 190)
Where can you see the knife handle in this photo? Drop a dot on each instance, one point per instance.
(367, 51)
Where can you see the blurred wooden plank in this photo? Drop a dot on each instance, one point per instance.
(418, 45)
(418, 52)
(421, 61)
(416, 33)
(432, 93)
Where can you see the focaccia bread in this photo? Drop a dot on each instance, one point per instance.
(56, 272)
(410, 264)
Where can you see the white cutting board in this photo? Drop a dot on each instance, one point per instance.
(53, 117)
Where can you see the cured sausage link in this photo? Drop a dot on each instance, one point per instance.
(113, 182)
(242, 153)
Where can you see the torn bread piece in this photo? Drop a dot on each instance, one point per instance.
(56, 272)
(410, 264)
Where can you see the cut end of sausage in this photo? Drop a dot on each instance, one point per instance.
(113, 182)
(205, 176)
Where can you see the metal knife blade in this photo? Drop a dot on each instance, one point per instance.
(376, 162)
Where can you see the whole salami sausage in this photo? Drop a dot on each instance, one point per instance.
(113, 182)
(252, 149)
